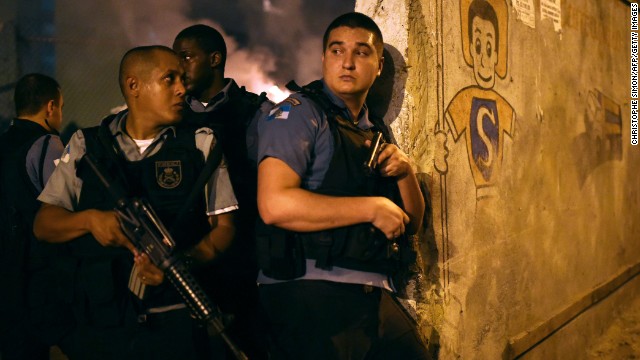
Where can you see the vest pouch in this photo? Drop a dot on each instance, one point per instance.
(67, 268)
(363, 242)
(324, 246)
(359, 247)
(280, 254)
(103, 307)
(51, 317)
(40, 288)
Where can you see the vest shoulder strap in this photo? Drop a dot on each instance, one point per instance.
(314, 91)
(243, 104)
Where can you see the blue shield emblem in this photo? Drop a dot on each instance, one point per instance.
(484, 127)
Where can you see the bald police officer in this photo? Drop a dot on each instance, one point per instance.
(152, 155)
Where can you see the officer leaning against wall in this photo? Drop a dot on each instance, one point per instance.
(335, 235)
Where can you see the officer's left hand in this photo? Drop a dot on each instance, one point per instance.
(393, 162)
(148, 273)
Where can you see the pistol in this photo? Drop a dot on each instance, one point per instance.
(371, 162)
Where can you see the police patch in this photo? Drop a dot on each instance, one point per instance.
(281, 112)
(66, 154)
(292, 101)
(168, 173)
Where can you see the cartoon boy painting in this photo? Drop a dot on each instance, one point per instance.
(478, 111)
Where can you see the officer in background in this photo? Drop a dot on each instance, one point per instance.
(232, 112)
(32, 316)
(151, 154)
(337, 233)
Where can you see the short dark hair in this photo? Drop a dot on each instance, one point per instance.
(33, 92)
(483, 10)
(208, 38)
(135, 56)
(355, 20)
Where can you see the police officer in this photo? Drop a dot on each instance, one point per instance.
(152, 155)
(232, 112)
(335, 234)
(33, 317)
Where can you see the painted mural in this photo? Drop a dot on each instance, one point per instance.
(478, 120)
(477, 112)
(602, 139)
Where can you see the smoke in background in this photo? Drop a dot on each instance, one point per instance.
(269, 43)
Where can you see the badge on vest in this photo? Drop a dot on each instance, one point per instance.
(168, 173)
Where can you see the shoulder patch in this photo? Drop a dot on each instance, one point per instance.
(289, 100)
(280, 112)
(66, 154)
(292, 101)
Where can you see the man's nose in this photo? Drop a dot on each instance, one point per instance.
(347, 62)
(180, 90)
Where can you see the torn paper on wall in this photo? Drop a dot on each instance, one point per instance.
(550, 9)
(526, 12)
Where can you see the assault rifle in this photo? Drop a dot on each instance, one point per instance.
(147, 233)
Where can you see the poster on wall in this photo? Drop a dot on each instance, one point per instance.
(551, 9)
(526, 12)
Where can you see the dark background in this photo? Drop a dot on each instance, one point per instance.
(80, 43)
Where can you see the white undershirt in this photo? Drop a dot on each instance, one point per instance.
(143, 144)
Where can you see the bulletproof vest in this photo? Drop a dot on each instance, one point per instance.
(359, 247)
(230, 122)
(165, 179)
(29, 271)
(19, 205)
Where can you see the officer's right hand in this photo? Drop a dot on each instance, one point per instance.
(105, 227)
(389, 218)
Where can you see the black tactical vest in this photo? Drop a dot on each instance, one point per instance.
(358, 247)
(230, 122)
(17, 192)
(31, 272)
(165, 179)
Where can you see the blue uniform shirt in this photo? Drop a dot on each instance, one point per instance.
(53, 152)
(297, 132)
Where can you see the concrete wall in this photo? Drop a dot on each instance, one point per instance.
(524, 147)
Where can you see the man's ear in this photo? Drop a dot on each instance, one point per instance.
(132, 86)
(50, 106)
(216, 59)
(380, 64)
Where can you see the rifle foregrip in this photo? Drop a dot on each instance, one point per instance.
(191, 292)
(199, 303)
